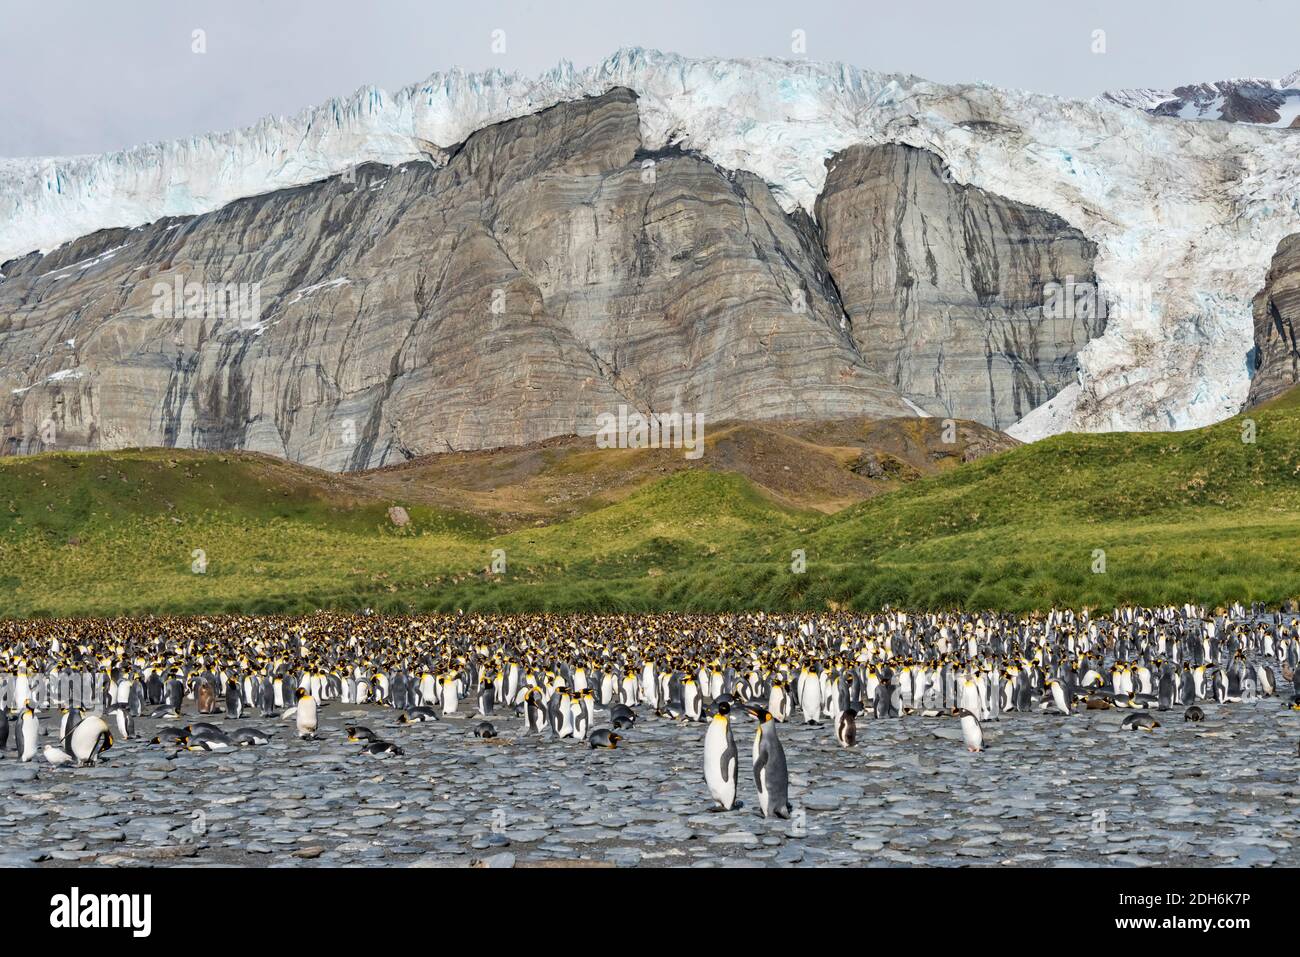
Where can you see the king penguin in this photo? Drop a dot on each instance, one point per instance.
(770, 775)
(720, 759)
(846, 728)
(29, 732)
(234, 700)
(971, 731)
(305, 714)
(90, 739)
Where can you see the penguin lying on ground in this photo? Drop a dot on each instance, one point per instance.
(416, 715)
(1139, 722)
(382, 749)
(604, 738)
(246, 737)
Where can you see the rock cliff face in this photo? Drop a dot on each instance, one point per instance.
(946, 285)
(1277, 319)
(518, 285)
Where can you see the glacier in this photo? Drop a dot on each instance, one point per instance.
(1187, 213)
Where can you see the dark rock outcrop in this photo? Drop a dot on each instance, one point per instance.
(945, 283)
(1277, 319)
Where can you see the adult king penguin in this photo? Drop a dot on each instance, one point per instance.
(305, 714)
(89, 740)
(29, 732)
(971, 731)
(770, 775)
(720, 759)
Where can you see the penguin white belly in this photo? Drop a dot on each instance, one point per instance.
(305, 716)
(579, 720)
(691, 703)
(566, 721)
(86, 738)
(971, 733)
(776, 702)
(30, 732)
(1058, 698)
(720, 762)
(811, 702)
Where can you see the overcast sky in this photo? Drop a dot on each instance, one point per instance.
(84, 76)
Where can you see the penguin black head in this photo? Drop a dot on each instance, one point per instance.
(762, 715)
(302, 693)
(724, 709)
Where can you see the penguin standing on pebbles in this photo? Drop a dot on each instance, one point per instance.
(770, 776)
(720, 759)
(306, 716)
(29, 732)
(581, 725)
(534, 712)
(972, 733)
(846, 728)
(1058, 696)
(234, 700)
(121, 716)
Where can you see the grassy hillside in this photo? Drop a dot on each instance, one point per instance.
(1198, 515)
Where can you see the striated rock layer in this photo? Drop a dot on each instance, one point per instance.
(945, 285)
(1277, 318)
(547, 273)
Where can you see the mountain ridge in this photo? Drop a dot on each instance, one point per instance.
(1223, 197)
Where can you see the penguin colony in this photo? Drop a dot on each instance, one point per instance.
(562, 676)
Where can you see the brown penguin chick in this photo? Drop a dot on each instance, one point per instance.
(206, 698)
(1099, 704)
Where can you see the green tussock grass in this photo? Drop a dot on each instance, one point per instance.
(1192, 516)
